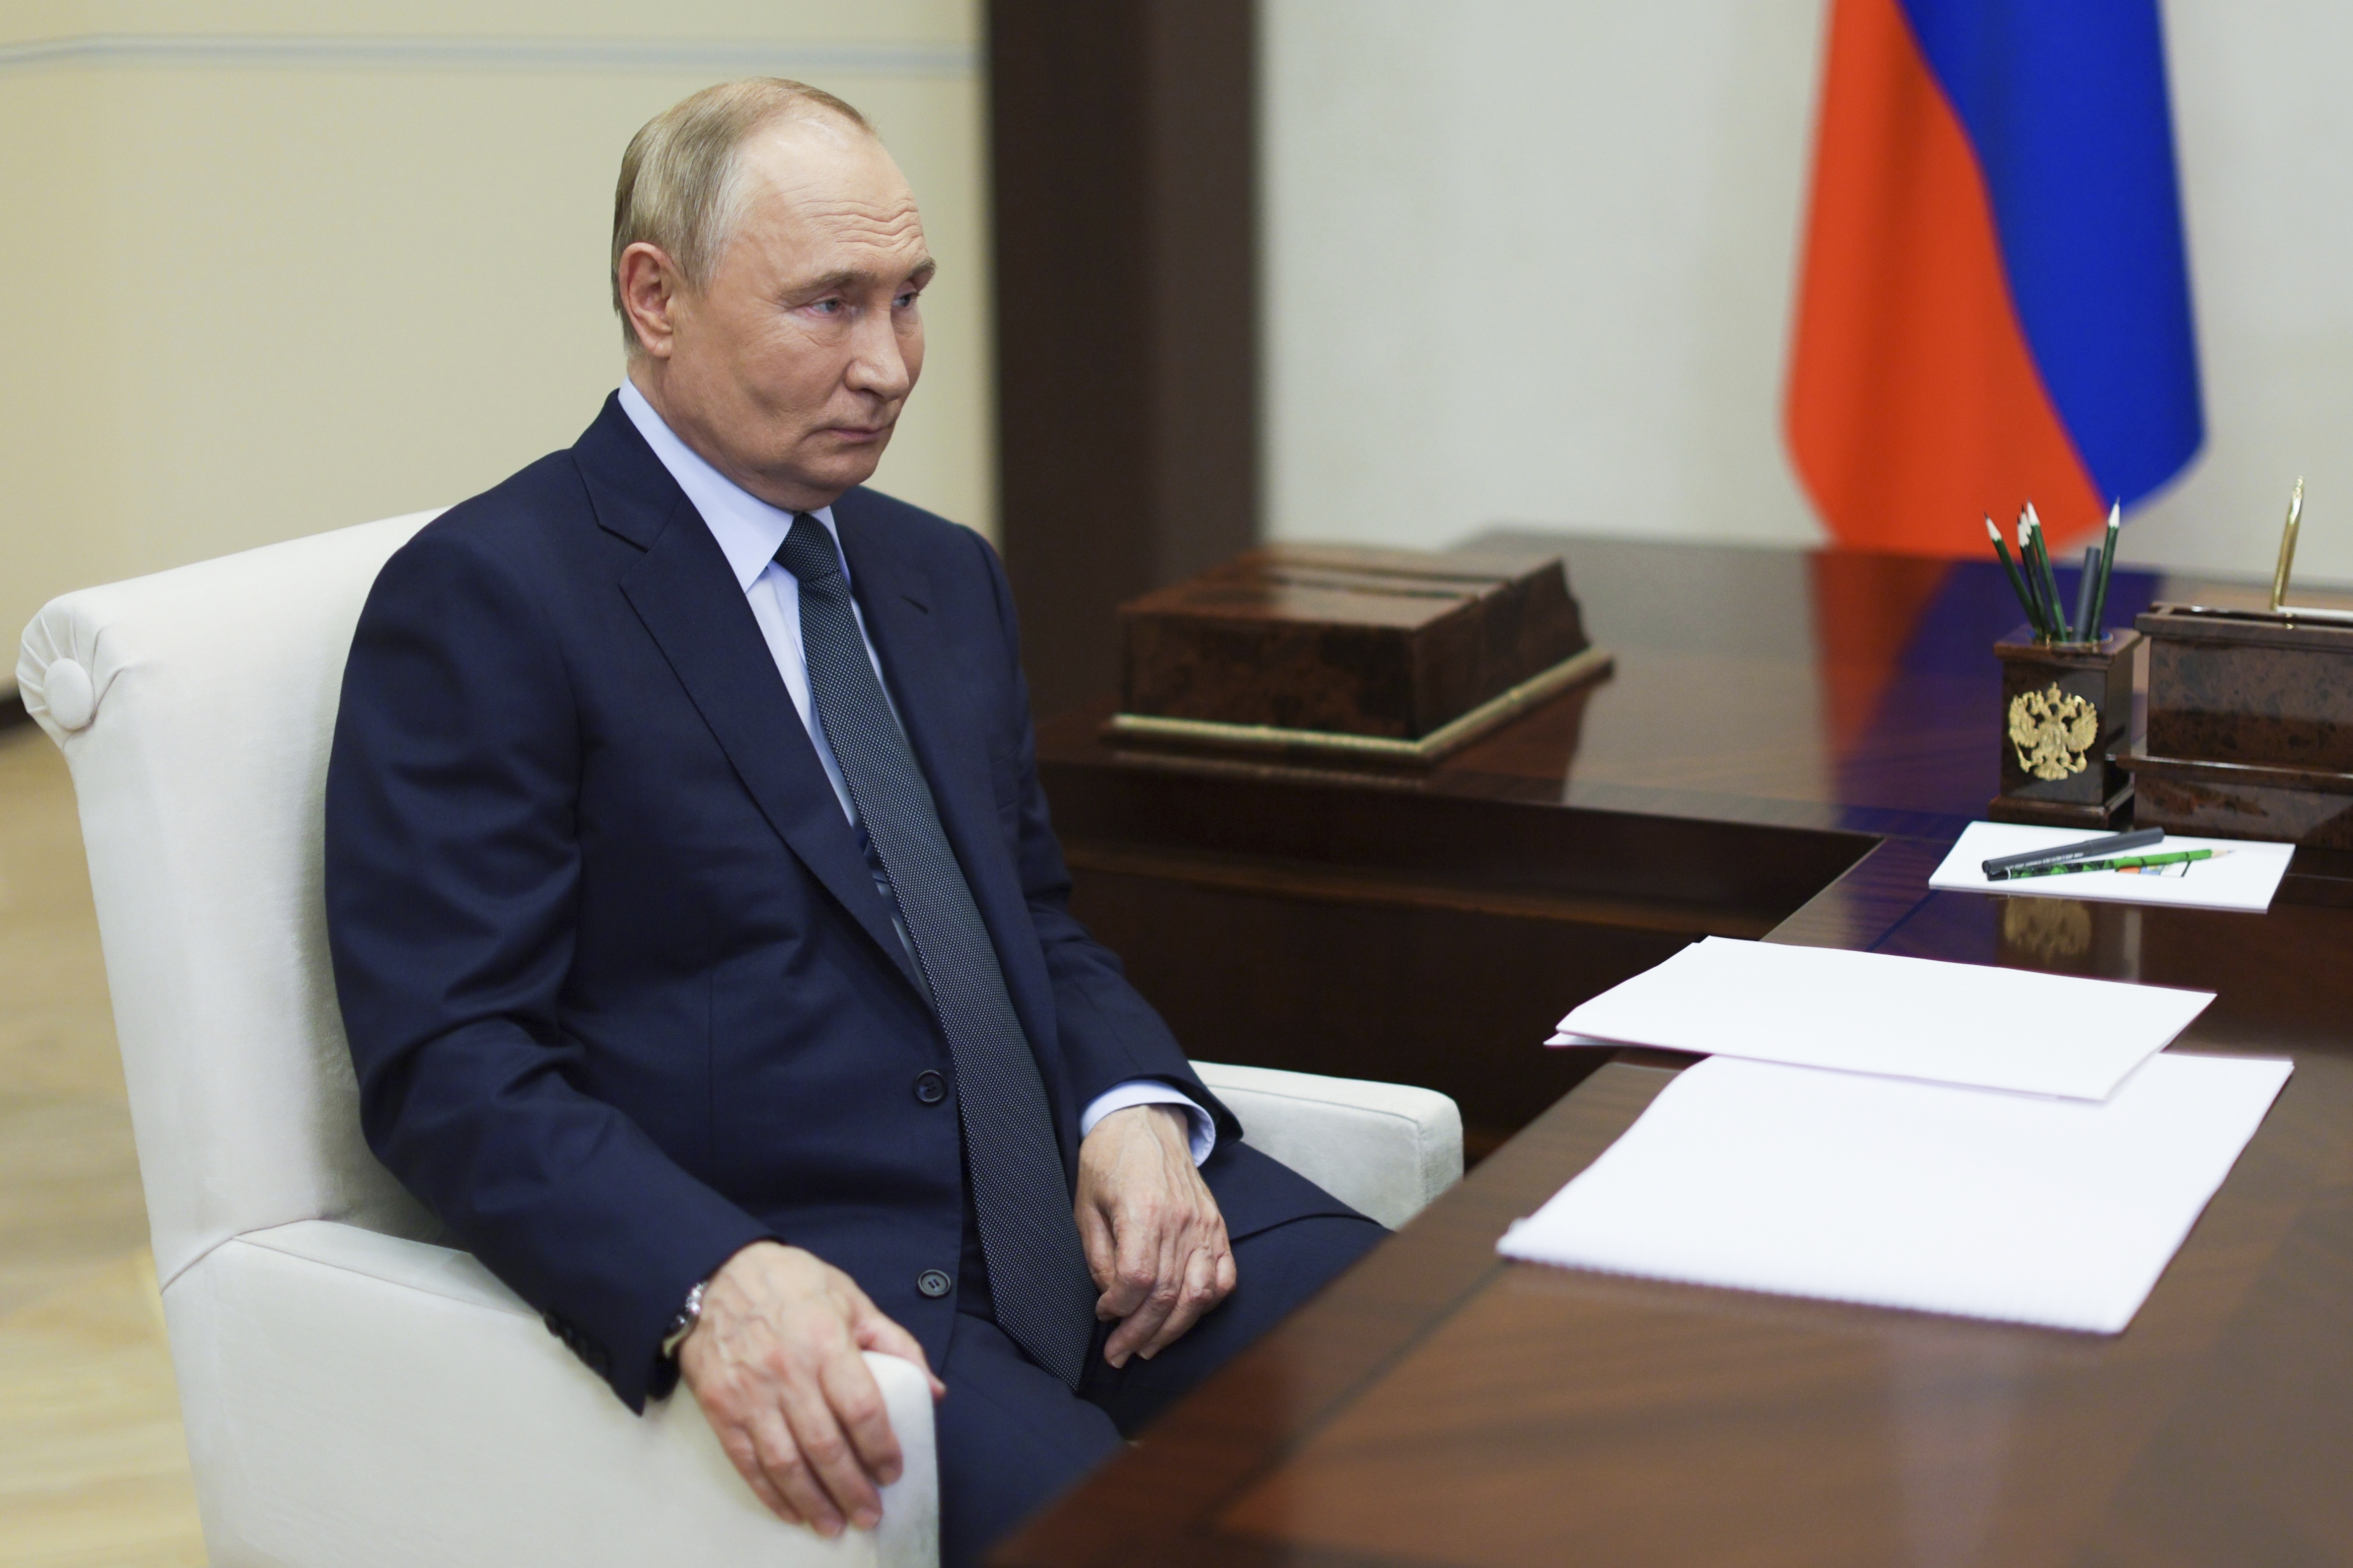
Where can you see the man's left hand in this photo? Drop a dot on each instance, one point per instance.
(1155, 1240)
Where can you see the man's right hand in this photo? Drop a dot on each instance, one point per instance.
(775, 1362)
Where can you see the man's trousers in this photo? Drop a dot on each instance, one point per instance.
(1012, 1434)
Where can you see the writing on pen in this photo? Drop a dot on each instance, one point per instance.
(2122, 862)
(2105, 847)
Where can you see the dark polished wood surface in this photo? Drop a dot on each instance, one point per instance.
(1788, 748)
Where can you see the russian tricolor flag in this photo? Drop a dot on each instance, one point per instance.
(1995, 304)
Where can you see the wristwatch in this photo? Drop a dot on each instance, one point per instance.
(683, 1324)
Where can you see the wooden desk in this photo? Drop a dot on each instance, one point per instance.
(1438, 1406)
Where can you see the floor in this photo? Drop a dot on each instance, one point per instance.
(93, 1469)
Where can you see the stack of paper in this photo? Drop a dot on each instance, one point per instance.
(1903, 1133)
(1907, 1017)
(1901, 1194)
(2242, 875)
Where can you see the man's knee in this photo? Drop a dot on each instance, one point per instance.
(1294, 1261)
(1277, 1270)
(1010, 1437)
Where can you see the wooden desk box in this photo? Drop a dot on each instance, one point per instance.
(2060, 785)
(2250, 727)
(1394, 653)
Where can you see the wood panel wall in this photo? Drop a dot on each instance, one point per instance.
(1123, 171)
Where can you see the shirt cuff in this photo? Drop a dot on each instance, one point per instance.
(1152, 1091)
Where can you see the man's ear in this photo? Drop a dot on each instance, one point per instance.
(650, 289)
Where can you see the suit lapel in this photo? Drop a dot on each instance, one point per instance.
(688, 598)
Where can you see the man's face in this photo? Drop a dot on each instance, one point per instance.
(788, 373)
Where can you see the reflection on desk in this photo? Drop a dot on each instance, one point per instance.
(1774, 718)
(1788, 748)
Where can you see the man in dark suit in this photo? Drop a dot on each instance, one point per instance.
(700, 936)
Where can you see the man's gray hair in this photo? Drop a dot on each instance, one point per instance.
(681, 184)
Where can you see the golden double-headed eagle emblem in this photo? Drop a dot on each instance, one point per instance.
(2052, 730)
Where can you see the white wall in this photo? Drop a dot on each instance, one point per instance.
(1532, 261)
(2265, 133)
(286, 266)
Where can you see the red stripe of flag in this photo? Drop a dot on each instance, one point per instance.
(1915, 406)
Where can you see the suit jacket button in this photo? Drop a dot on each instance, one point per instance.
(932, 1283)
(931, 1087)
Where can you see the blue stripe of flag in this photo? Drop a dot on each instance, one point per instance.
(2065, 103)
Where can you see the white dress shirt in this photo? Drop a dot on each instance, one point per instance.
(750, 532)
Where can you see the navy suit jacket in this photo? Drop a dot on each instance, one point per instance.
(620, 990)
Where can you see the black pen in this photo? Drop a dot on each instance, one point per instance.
(2084, 587)
(2003, 868)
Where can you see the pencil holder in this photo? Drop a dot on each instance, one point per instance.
(2066, 708)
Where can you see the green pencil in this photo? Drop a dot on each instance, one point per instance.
(2042, 625)
(2122, 862)
(2050, 579)
(2107, 566)
(2034, 577)
(2017, 584)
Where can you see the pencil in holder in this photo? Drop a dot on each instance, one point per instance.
(2066, 708)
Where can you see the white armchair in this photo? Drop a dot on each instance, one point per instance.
(356, 1394)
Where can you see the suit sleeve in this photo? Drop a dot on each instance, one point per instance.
(452, 864)
(1109, 1032)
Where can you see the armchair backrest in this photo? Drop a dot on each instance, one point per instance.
(195, 708)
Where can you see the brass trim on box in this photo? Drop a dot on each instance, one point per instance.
(1446, 738)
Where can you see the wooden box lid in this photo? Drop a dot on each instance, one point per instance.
(2233, 684)
(1373, 650)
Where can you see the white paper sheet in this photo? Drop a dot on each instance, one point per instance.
(1908, 1018)
(2245, 877)
(1848, 1187)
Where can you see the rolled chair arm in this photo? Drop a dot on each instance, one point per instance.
(1384, 1148)
(358, 1400)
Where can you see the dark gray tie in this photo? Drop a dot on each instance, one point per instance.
(1036, 1271)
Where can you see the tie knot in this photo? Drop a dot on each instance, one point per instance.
(807, 551)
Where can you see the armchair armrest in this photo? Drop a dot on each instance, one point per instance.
(354, 1399)
(1384, 1148)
